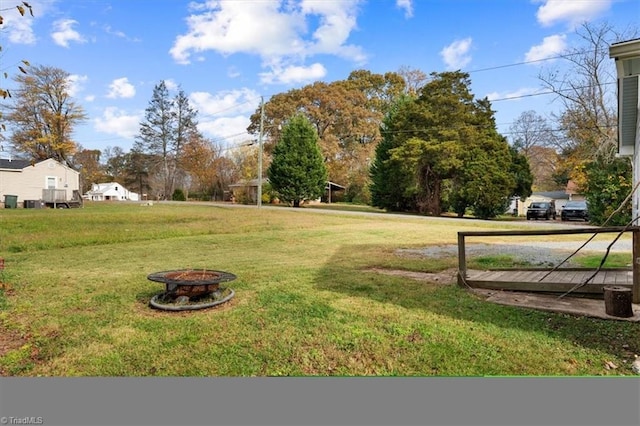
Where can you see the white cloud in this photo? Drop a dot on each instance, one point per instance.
(294, 74)
(171, 85)
(337, 21)
(227, 130)
(276, 31)
(120, 34)
(239, 101)
(19, 29)
(513, 95)
(407, 6)
(225, 116)
(456, 55)
(63, 33)
(233, 72)
(109, 30)
(76, 84)
(115, 121)
(551, 46)
(121, 88)
(239, 27)
(572, 12)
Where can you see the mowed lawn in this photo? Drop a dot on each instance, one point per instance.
(75, 299)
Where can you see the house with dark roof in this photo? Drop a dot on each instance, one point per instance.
(25, 180)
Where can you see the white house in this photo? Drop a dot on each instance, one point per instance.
(111, 191)
(627, 60)
(27, 180)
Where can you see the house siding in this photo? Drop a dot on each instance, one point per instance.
(27, 183)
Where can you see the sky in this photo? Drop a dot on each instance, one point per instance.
(228, 55)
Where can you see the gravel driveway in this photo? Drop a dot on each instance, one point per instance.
(537, 252)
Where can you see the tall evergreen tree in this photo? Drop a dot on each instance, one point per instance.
(167, 126)
(156, 132)
(297, 171)
(442, 149)
(390, 184)
(486, 178)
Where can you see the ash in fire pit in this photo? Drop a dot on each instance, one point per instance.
(189, 289)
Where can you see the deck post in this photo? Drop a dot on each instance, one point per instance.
(635, 295)
(462, 261)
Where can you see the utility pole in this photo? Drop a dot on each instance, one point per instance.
(260, 152)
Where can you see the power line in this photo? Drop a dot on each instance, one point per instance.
(551, 92)
(515, 64)
(213, 114)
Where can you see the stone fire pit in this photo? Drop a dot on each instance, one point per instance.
(189, 289)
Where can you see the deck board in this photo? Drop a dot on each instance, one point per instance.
(556, 281)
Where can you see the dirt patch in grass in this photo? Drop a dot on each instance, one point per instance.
(9, 341)
(443, 277)
(569, 305)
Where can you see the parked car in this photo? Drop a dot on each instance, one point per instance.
(578, 210)
(541, 210)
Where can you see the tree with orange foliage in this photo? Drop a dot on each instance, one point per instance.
(44, 115)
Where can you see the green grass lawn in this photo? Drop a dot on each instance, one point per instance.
(74, 299)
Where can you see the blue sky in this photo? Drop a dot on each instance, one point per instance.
(227, 54)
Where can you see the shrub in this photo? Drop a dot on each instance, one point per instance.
(178, 195)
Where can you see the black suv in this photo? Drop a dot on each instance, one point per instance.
(575, 210)
(541, 210)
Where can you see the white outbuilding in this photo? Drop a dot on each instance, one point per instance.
(111, 191)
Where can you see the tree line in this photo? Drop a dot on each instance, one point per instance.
(403, 141)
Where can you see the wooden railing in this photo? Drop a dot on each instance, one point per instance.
(54, 195)
(635, 230)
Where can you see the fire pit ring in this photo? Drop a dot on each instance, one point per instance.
(190, 289)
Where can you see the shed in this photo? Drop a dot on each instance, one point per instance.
(330, 189)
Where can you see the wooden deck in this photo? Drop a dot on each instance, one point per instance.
(559, 281)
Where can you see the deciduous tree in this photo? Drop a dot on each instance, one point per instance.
(346, 115)
(115, 163)
(140, 169)
(201, 160)
(44, 115)
(606, 186)
(87, 161)
(414, 79)
(531, 130)
(521, 173)
(587, 92)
